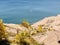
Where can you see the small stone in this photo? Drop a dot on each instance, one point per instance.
(59, 41)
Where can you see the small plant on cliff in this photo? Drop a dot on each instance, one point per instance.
(3, 41)
(24, 38)
(2, 30)
(26, 24)
(40, 29)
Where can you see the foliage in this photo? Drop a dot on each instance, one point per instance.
(26, 24)
(50, 29)
(40, 29)
(2, 30)
(24, 38)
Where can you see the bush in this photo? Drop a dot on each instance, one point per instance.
(2, 30)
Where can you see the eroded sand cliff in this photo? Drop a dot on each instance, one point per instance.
(51, 36)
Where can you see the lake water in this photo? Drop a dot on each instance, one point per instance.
(14, 11)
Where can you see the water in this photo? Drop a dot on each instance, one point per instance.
(14, 11)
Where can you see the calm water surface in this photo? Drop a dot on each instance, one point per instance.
(14, 11)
